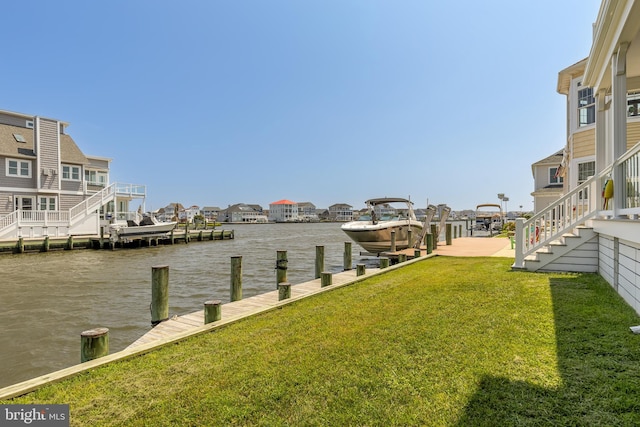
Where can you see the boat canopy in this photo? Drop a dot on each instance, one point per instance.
(383, 200)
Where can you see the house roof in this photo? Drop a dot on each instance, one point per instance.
(10, 147)
(565, 76)
(284, 202)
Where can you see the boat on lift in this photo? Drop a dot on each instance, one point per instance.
(373, 230)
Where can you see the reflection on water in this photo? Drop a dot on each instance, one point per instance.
(48, 299)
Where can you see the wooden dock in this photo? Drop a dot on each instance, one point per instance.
(246, 307)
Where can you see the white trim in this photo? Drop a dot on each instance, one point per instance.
(19, 166)
(71, 168)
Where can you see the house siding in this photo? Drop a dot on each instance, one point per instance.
(13, 120)
(69, 201)
(14, 181)
(626, 281)
(584, 144)
(633, 133)
(48, 153)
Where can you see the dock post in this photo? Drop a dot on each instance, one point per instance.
(326, 279)
(409, 236)
(447, 234)
(393, 240)
(319, 261)
(416, 253)
(20, 245)
(455, 231)
(459, 230)
(172, 240)
(200, 236)
(94, 343)
(70, 243)
(284, 291)
(434, 231)
(402, 257)
(429, 243)
(45, 245)
(282, 264)
(348, 262)
(360, 270)
(236, 278)
(212, 311)
(384, 262)
(186, 232)
(159, 294)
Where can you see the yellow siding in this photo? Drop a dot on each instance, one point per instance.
(584, 144)
(633, 133)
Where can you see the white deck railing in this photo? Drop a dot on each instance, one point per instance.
(578, 206)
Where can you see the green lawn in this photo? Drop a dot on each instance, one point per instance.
(445, 341)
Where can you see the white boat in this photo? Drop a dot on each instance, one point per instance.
(148, 227)
(489, 218)
(373, 231)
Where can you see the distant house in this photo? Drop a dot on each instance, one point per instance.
(341, 212)
(169, 212)
(242, 213)
(548, 178)
(307, 211)
(283, 211)
(42, 169)
(188, 214)
(210, 213)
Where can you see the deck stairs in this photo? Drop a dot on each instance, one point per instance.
(576, 251)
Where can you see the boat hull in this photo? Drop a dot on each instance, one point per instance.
(376, 238)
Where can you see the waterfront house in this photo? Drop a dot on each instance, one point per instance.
(594, 225)
(210, 213)
(48, 186)
(548, 178)
(341, 212)
(283, 211)
(188, 214)
(307, 211)
(242, 212)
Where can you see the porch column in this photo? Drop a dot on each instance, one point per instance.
(602, 160)
(619, 121)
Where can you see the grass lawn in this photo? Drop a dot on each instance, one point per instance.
(445, 341)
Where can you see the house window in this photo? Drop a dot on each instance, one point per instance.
(585, 170)
(95, 177)
(633, 104)
(19, 168)
(71, 173)
(586, 106)
(47, 203)
(554, 178)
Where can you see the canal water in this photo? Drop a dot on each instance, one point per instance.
(48, 299)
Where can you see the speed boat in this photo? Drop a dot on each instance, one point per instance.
(373, 230)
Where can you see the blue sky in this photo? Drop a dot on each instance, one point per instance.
(214, 103)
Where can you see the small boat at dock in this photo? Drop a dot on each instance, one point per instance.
(373, 230)
(147, 228)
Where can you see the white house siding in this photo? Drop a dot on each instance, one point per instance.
(69, 201)
(48, 153)
(626, 280)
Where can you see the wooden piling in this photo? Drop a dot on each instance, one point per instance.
(319, 261)
(326, 279)
(348, 262)
(416, 253)
(402, 257)
(159, 294)
(429, 243)
(45, 244)
(284, 291)
(94, 343)
(20, 245)
(447, 234)
(384, 262)
(212, 311)
(360, 269)
(434, 231)
(282, 264)
(70, 243)
(236, 278)
(393, 240)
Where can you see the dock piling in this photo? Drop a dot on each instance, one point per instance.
(236, 278)
(284, 291)
(360, 269)
(393, 240)
(282, 264)
(212, 311)
(326, 279)
(347, 256)
(159, 294)
(384, 262)
(94, 343)
(319, 261)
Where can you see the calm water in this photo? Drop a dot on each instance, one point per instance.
(48, 299)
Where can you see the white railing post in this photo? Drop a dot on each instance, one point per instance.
(520, 243)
